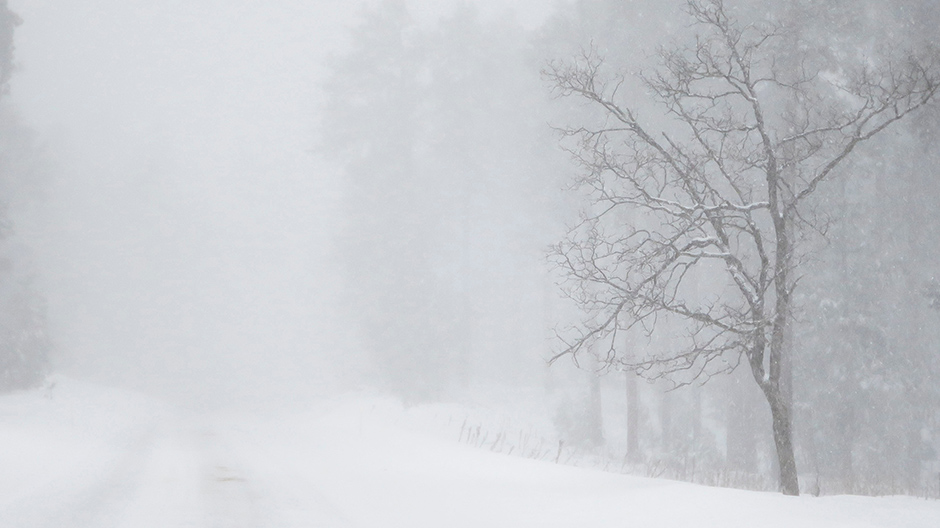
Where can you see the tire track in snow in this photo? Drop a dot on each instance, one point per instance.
(189, 482)
(90, 503)
(230, 500)
(292, 495)
(161, 477)
(173, 470)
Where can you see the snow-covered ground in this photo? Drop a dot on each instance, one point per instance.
(77, 455)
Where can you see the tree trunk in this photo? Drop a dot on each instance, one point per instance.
(845, 439)
(697, 397)
(665, 421)
(596, 418)
(783, 440)
(633, 418)
(740, 442)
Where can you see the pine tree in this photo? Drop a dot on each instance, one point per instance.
(24, 344)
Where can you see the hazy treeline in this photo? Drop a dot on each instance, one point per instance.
(455, 188)
(451, 179)
(24, 343)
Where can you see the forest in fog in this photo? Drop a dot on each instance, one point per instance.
(692, 240)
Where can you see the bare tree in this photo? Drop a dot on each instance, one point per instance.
(699, 213)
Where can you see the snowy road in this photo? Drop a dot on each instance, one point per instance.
(161, 476)
(83, 456)
(87, 457)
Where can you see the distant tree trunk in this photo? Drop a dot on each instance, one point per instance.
(596, 426)
(697, 410)
(914, 458)
(812, 451)
(633, 418)
(846, 440)
(741, 447)
(665, 420)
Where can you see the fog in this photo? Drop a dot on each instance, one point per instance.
(184, 237)
(242, 204)
(184, 240)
